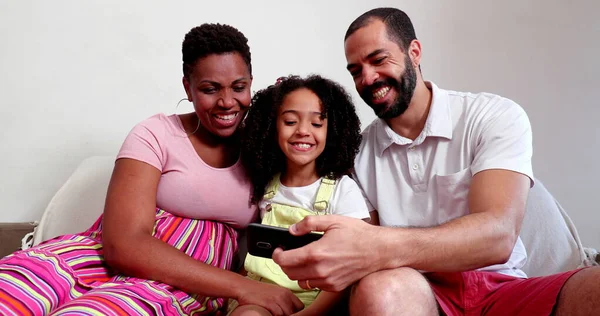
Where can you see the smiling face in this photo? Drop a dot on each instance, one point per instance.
(384, 76)
(301, 128)
(219, 87)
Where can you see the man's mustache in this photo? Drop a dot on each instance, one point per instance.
(369, 90)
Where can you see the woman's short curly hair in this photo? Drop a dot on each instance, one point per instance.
(208, 39)
(261, 155)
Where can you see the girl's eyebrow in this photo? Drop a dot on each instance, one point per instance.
(296, 112)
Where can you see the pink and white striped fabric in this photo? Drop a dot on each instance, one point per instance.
(68, 276)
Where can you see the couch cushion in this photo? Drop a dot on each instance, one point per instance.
(549, 235)
(79, 202)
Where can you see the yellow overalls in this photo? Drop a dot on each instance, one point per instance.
(266, 270)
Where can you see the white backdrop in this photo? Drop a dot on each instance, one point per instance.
(77, 75)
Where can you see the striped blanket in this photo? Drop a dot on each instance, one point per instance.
(68, 276)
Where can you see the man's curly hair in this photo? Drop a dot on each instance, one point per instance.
(261, 155)
(208, 39)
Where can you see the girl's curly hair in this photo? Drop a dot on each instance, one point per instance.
(260, 153)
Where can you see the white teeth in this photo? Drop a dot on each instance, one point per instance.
(303, 146)
(381, 93)
(228, 117)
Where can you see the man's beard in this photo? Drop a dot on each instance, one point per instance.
(404, 86)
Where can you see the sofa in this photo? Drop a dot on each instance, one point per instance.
(548, 233)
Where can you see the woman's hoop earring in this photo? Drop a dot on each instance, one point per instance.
(184, 99)
(197, 126)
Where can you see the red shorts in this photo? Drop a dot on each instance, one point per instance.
(490, 293)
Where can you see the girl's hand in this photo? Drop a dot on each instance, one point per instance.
(276, 299)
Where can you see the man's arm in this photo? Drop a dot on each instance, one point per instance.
(352, 249)
(485, 237)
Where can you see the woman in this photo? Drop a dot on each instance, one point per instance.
(176, 197)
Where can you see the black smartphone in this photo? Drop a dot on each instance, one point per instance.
(263, 239)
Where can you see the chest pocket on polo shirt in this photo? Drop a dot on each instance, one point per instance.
(452, 192)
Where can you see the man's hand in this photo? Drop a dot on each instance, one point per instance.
(344, 255)
(276, 299)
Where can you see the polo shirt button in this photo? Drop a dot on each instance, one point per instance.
(411, 148)
(415, 166)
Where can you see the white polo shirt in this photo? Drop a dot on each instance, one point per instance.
(425, 182)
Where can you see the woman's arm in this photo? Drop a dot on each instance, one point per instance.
(129, 246)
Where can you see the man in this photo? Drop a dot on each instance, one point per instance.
(448, 173)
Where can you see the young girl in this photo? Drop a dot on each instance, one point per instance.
(300, 140)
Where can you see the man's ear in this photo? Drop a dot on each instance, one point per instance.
(414, 52)
(186, 86)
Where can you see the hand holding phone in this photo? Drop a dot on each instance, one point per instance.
(263, 239)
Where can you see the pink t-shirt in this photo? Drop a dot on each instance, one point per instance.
(189, 187)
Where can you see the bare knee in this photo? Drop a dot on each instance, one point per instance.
(390, 284)
(393, 292)
(250, 310)
(581, 294)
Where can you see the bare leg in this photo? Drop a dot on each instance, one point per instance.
(401, 291)
(250, 310)
(581, 294)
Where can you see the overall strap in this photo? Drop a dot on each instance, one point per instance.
(324, 194)
(272, 188)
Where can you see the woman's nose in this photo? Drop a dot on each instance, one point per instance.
(226, 99)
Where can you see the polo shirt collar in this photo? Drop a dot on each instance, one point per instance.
(438, 123)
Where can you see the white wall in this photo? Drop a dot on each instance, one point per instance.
(77, 75)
